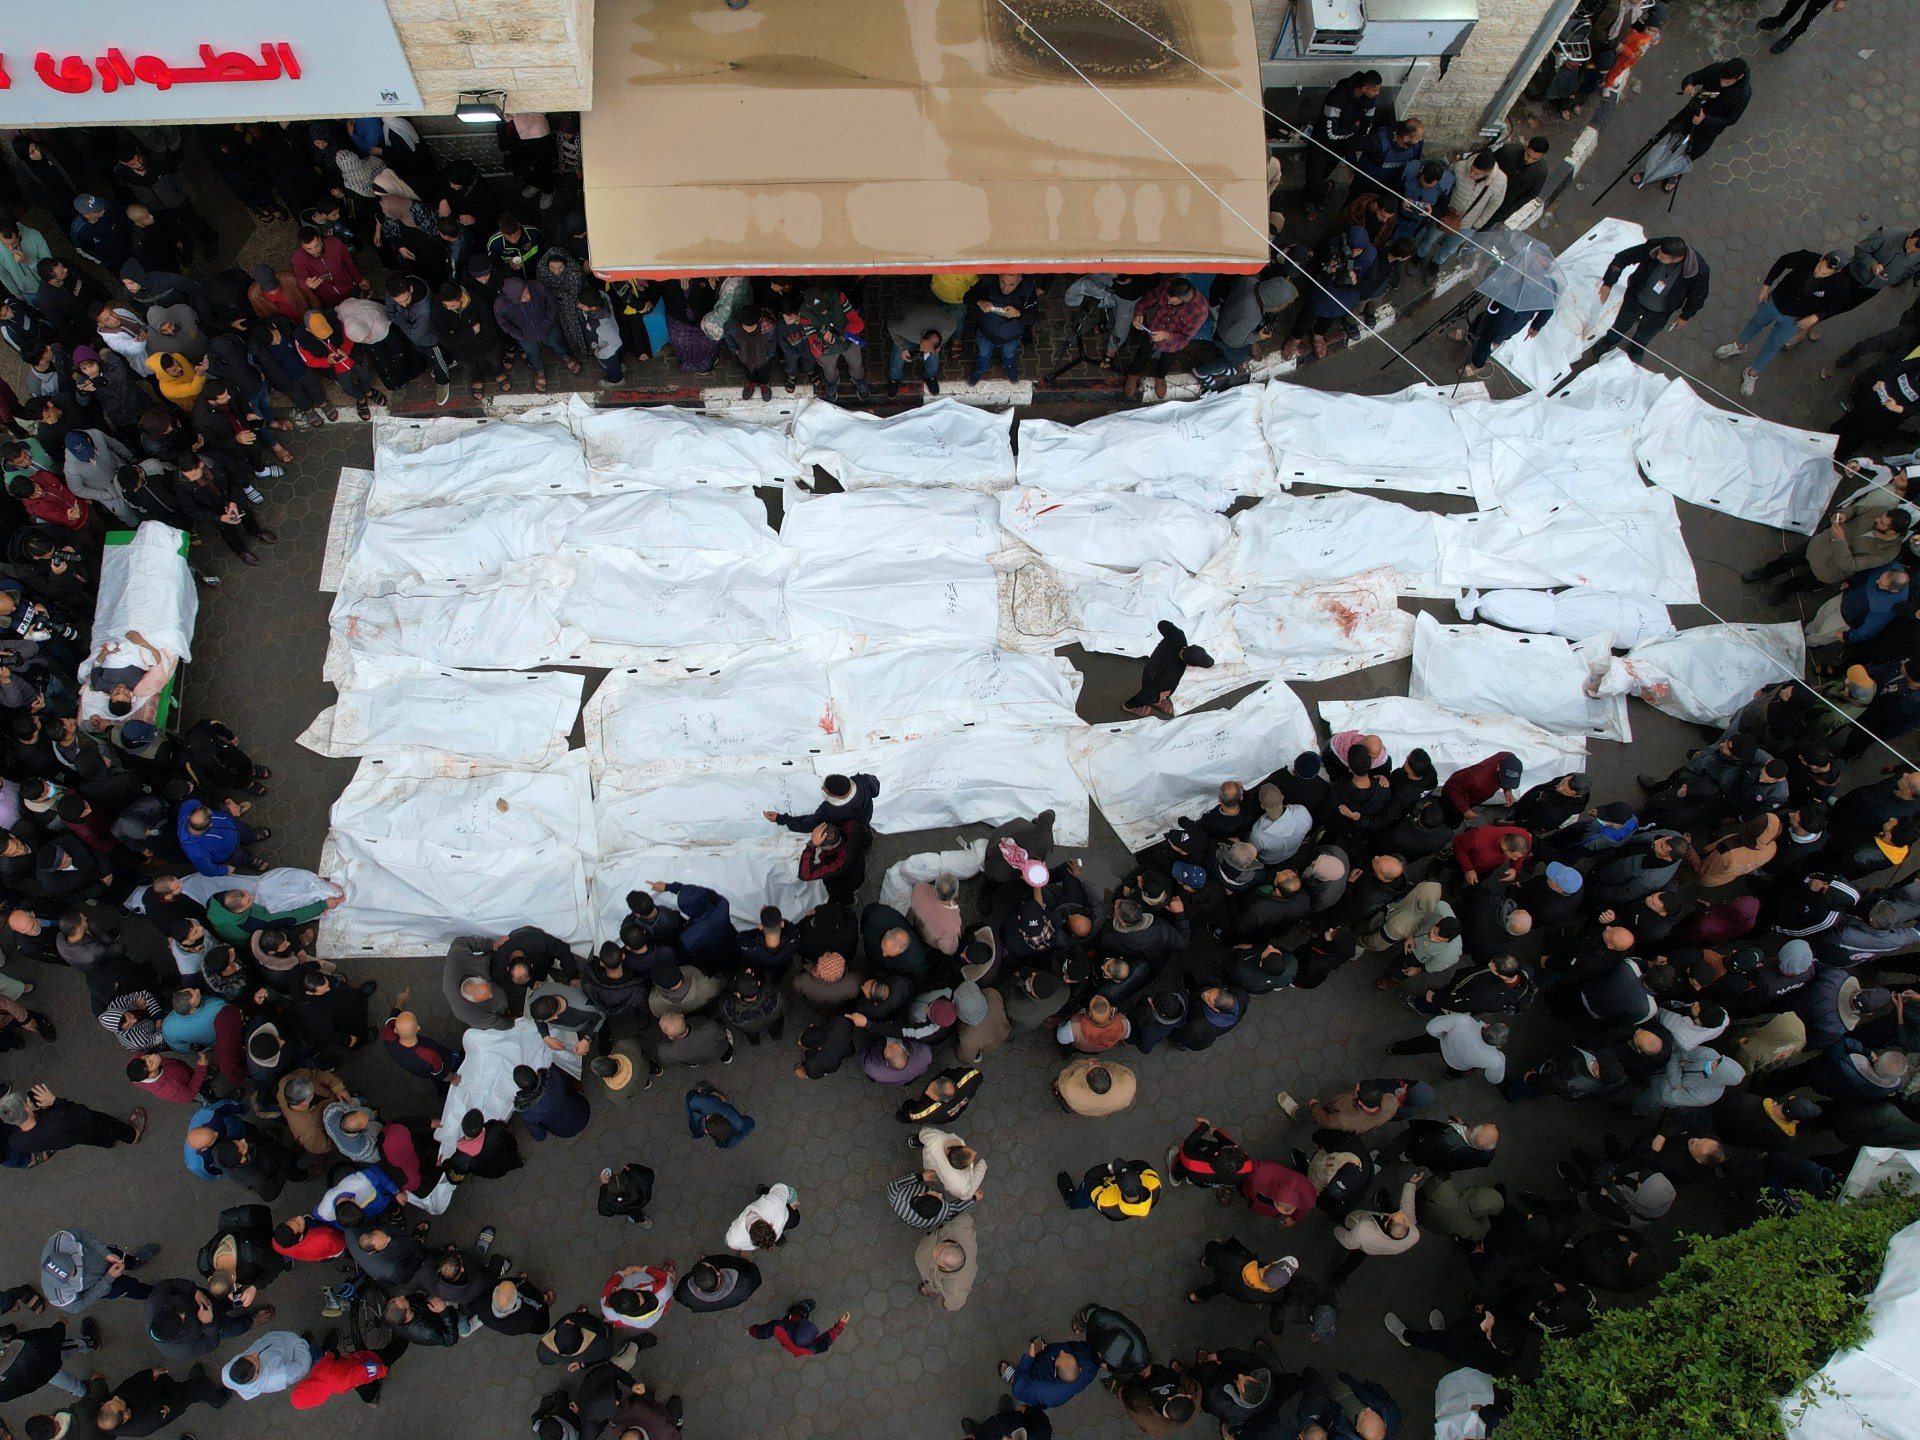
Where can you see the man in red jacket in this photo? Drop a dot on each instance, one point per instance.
(1491, 852)
(168, 1077)
(303, 1238)
(336, 1374)
(1477, 784)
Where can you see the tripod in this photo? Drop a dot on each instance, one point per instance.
(1081, 324)
(1459, 309)
(1638, 156)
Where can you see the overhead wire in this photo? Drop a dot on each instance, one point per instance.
(1734, 626)
(1306, 134)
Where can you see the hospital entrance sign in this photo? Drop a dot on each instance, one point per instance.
(132, 62)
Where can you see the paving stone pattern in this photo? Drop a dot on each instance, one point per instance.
(1822, 156)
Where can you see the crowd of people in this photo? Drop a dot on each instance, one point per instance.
(1708, 964)
(1704, 963)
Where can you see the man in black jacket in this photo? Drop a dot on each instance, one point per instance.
(1717, 96)
(1345, 119)
(1669, 286)
(1802, 289)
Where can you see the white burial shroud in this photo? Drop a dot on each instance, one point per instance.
(1205, 451)
(393, 705)
(662, 447)
(1047, 605)
(1306, 632)
(1455, 739)
(893, 564)
(1635, 549)
(1707, 673)
(1542, 678)
(1120, 530)
(1405, 442)
(945, 442)
(420, 463)
(1577, 613)
(1145, 774)
(1312, 539)
(429, 847)
(1742, 465)
(986, 775)
(1581, 317)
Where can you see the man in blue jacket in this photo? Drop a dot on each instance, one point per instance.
(1050, 1375)
(215, 838)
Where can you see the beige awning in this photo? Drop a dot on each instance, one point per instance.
(869, 135)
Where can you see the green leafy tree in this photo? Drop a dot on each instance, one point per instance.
(1737, 1325)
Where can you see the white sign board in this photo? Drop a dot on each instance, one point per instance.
(131, 62)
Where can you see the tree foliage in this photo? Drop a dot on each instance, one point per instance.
(1737, 1325)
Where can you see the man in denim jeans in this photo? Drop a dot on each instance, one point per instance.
(1001, 306)
(914, 337)
(1801, 290)
(1479, 190)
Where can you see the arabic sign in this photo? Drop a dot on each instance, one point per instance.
(95, 62)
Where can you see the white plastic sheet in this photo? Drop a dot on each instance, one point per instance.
(944, 442)
(1204, 451)
(1539, 455)
(1638, 549)
(1307, 632)
(662, 447)
(1580, 319)
(396, 704)
(443, 461)
(890, 527)
(732, 520)
(1870, 1391)
(711, 805)
(1707, 673)
(911, 690)
(893, 564)
(1541, 678)
(1121, 531)
(1407, 441)
(896, 886)
(486, 1075)
(1044, 606)
(1313, 539)
(503, 626)
(986, 775)
(937, 596)
(145, 586)
(1756, 469)
(749, 873)
(775, 702)
(1578, 613)
(676, 599)
(429, 847)
(1455, 739)
(453, 543)
(1145, 774)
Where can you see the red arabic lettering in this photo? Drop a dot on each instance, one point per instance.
(71, 75)
(6, 80)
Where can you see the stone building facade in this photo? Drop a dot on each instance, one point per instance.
(1451, 104)
(539, 51)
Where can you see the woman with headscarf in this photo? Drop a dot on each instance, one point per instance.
(106, 380)
(407, 241)
(564, 280)
(52, 175)
(688, 301)
(527, 315)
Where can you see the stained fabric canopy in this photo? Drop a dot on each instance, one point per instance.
(835, 137)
